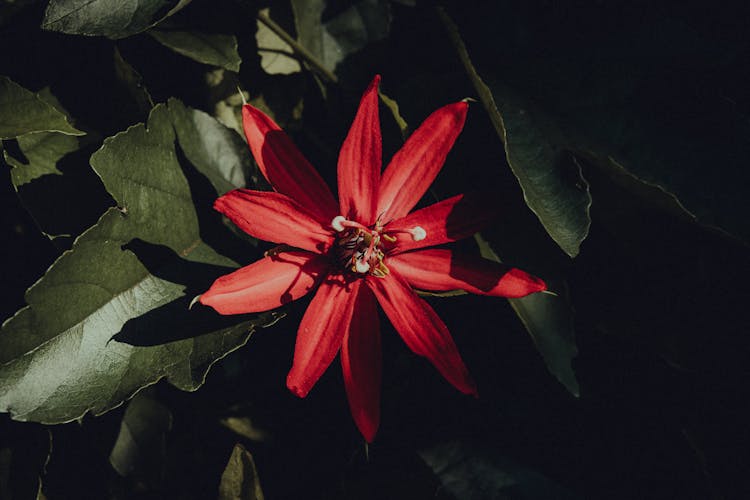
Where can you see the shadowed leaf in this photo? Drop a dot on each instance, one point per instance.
(207, 48)
(548, 319)
(240, 481)
(140, 449)
(534, 148)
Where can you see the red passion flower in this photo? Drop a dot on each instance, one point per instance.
(366, 249)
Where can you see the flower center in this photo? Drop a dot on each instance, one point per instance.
(359, 249)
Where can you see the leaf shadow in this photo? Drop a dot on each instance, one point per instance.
(175, 320)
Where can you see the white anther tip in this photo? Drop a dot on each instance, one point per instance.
(361, 266)
(336, 223)
(418, 233)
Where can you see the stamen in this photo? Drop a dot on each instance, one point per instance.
(361, 266)
(336, 223)
(418, 233)
(339, 223)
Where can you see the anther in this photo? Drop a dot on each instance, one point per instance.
(418, 233)
(361, 266)
(336, 223)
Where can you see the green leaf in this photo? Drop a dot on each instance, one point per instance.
(216, 151)
(140, 449)
(213, 49)
(345, 33)
(276, 56)
(133, 82)
(548, 319)
(104, 322)
(24, 455)
(111, 18)
(42, 151)
(469, 470)
(23, 112)
(239, 481)
(534, 148)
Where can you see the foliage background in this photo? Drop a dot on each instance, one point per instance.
(641, 106)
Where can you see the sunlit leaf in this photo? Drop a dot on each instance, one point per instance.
(110, 18)
(23, 111)
(276, 56)
(207, 48)
(216, 151)
(240, 481)
(105, 322)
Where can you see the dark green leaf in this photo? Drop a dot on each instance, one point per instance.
(42, 151)
(85, 341)
(140, 449)
(111, 18)
(133, 82)
(347, 32)
(23, 111)
(534, 148)
(548, 319)
(24, 454)
(470, 470)
(214, 49)
(240, 481)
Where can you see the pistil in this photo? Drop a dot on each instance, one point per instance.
(358, 247)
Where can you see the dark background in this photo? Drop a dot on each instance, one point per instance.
(660, 302)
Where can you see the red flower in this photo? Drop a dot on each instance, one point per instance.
(363, 250)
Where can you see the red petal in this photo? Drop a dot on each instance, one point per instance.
(418, 162)
(449, 220)
(274, 217)
(422, 329)
(266, 284)
(360, 161)
(361, 364)
(284, 166)
(440, 270)
(321, 332)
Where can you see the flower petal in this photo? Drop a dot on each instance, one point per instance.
(361, 364)
(276, 218)
(449, 220)
(284, 166)
(422, 329)
(321, 332)
(266, 284)
(440, 270)
(360, 161)
(417, 163)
